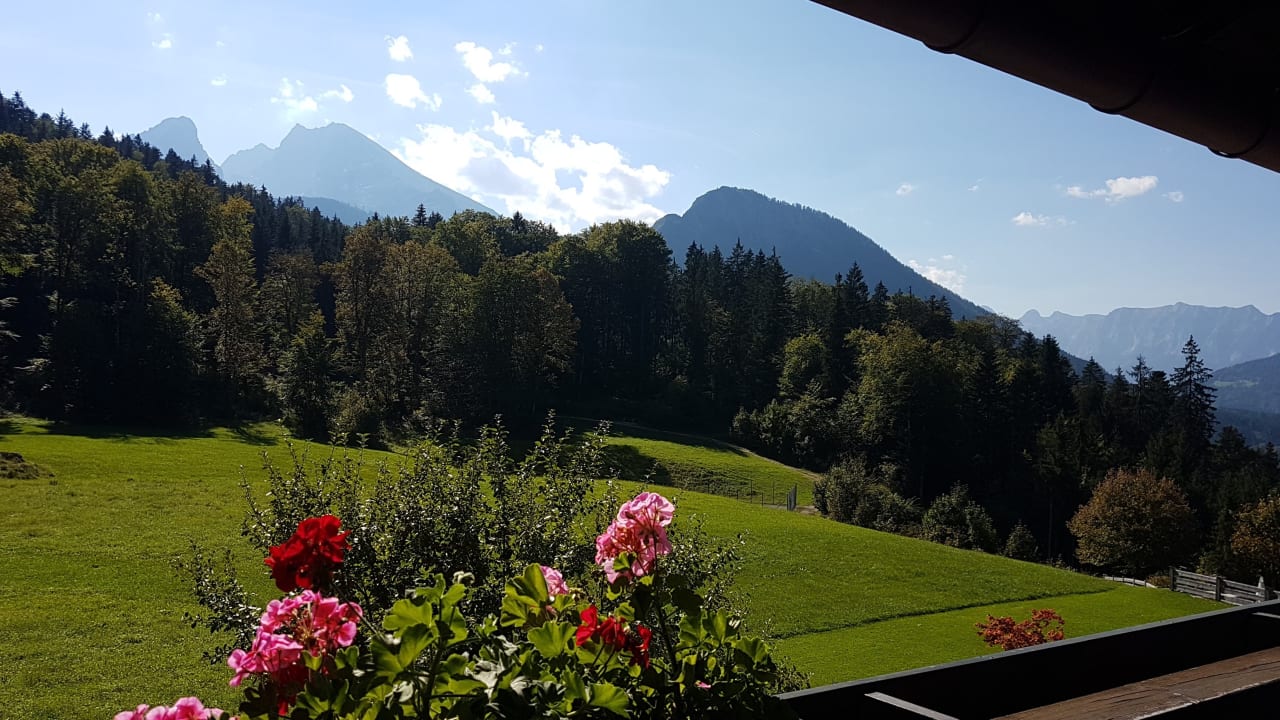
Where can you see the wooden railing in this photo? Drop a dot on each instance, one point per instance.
(1218, 588)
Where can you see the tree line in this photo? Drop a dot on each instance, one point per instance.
(144, 289)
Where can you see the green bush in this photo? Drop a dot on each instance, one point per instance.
(1021, 544)
(851, 493)
(955, 519)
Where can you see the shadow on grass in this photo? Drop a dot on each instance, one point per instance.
(634, 430)
(128, 433)
(254, 436)
(633, 465)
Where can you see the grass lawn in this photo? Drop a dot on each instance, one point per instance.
(911, 642)
(697, 463)
(91, 609)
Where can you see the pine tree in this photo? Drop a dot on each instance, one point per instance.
(420, 217)
(1193, 396)
(232, 324)
(306, 388)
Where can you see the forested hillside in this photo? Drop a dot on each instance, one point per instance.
(145, 289)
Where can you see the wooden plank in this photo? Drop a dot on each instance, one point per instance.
(1166, 692)
(918, 710)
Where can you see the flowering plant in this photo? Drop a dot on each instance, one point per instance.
(647, 648)
(1004, 632)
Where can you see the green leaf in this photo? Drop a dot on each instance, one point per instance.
(610, 697)
(552, 639)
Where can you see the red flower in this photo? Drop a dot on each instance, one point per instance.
(639, 646)
(614, 635)
(310, 556)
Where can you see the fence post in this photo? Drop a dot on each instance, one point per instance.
(1217, 588)
(1263, 589)
(1173, 578)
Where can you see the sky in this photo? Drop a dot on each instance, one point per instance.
(577, 112)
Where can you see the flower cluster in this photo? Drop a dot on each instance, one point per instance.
(305, 623)
(640, 529)
(1004, 632)
(188, 708)
(310, 556)
(615, 635)
(555, 581)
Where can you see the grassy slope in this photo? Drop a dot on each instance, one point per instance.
(699, 463)
(90, 609)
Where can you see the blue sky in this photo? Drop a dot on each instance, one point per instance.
(577, 112)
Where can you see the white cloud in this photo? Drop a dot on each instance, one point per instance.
(482, 94)
(507, 49)
(398, 48)
(479, 60)
(509, 129)
(537, 48)
(220, 44)
(164, 43)
(1117, 189)
(343, 93)
(1175, 195)
(569, 182)
(905, 189)
(219, 81)
(1026, 219)
(295, 101)
(155, 17)
(974, 188)
(406, 91)
(948, 277)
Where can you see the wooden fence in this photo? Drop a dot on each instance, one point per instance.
(1216, 587)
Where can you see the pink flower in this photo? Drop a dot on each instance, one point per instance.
(188, 708)
(555, 581)
(639, 529)
(270, 653)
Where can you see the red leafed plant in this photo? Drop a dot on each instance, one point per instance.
(1003, 632)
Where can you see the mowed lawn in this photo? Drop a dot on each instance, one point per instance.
(91, 608)
(698, 463)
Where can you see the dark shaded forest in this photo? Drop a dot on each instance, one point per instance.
(141, 288)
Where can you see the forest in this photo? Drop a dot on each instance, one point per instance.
(142, 289)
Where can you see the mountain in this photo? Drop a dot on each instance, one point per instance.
(1226, 336)
(329, 207)
(811, 243)
(340, 163)
(1253, 386)
(178, 134)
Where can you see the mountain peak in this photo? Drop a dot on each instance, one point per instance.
(178, 134)
(338, 162)
(811, 243)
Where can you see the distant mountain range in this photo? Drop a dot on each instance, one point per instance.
(338, 162)
(1226, 336)
(335, 168)
(178, 134)
(811, 243)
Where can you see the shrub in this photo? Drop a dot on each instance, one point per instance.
(1003, 632)
(1134, 524)
(1021, 544)
(647, 647)
(955, 519)
(852, 493)
(1256, 540)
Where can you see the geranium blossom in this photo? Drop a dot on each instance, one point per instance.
(555, 581)
(615, 635)
(640, 529)
(188, 708)
(309, 557)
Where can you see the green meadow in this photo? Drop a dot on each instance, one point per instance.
(91, 609)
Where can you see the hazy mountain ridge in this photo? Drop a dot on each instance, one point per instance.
(1226, 336)
(810, 242)
(180, 135)
(339, 163)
